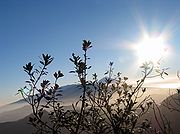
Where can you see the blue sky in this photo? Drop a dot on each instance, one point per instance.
(29, 28)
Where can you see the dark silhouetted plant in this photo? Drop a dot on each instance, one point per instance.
(173, 101)
(108, 106)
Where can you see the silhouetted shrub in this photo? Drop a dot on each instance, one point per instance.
(106, 106)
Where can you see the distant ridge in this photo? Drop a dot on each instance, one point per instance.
(17, 127)
(15, 114)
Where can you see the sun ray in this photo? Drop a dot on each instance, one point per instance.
(151, 48)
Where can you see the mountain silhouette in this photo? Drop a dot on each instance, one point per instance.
(14, 116)
(17, 127)
(169, 116)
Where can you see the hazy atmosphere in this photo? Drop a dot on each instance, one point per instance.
(89, 66)
(118, 30)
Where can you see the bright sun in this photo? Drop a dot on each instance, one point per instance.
(151, 49)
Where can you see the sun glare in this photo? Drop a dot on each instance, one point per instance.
(151, 49)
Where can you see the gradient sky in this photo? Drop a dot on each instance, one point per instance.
(29, 28)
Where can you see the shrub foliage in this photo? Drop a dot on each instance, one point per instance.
(107, 106)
